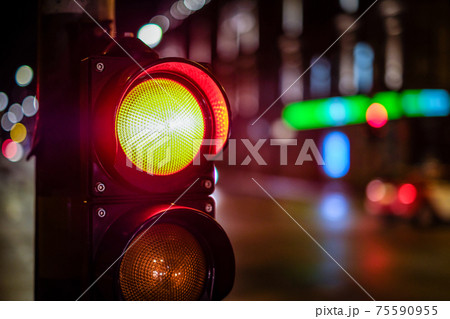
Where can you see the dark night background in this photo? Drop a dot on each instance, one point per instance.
(257, 52)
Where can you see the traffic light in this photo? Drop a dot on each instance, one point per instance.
(144, 122)
(140, 225)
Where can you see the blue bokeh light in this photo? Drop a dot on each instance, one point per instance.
(434, 102)
(336, 154)
(363, 67)
(334, 207)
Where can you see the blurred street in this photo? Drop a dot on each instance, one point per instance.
(275, 259)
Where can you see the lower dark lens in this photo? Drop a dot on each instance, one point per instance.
(166, 262)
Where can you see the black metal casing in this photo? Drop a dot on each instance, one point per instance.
(118, 205)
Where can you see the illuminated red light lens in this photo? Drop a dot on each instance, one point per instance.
(407, 194)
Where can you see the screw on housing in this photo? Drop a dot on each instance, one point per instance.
(208, 208)
(207, 184)
(100, 67)
(100, 187)
(101, 212)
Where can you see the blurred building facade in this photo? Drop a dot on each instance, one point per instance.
(264, 50)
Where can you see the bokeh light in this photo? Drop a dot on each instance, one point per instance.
(162, 21)
(434, 102)
(12, 117)
(24, 75)
(391, 101)
(375, 190)
(334, 111)
(15, 113)
(337, 111)
(30, 106)
(334, 207)
(390, 194)
(19, 153)
(182, 9)
(363, 56)
(349, 6)
(12, 150)
(6, 123)
(150, 34)
(3, 101)
(242, 22)
(179, 11)
(18, 133)
(194, 5)
(407, 194)
(7, 150)
(336, 154)
(376, 115)
(320, 85)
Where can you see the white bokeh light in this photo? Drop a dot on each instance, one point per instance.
(15, 114)
(6, 123)
(3, 101)
(150, 34)
(17, 153)
(162, 21)
(194, 5)
(24, 75)
(30, 106)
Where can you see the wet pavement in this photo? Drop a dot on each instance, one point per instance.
(275, 259)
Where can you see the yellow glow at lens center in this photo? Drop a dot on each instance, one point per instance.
(160, 126)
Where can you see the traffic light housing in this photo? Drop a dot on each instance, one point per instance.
(152, 215)
(141, 224)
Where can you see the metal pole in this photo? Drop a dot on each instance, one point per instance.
(66, 35)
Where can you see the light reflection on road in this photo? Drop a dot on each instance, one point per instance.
(277, 261)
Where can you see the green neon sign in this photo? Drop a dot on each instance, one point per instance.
(349, 110)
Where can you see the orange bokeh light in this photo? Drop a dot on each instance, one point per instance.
(376, 115)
